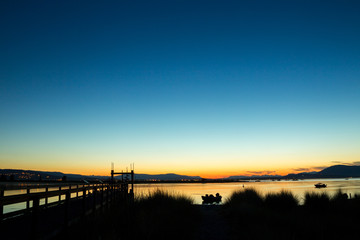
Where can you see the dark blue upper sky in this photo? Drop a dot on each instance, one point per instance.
(161, 73)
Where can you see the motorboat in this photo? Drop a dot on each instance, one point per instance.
(320, 185)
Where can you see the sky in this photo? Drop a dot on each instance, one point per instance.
(206, 88)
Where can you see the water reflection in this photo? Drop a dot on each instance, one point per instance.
(196, 190)
(20, 206)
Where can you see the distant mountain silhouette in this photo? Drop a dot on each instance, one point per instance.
(302, 175)
(168, 176)
(253, 177)
(32, 175)
(341, 171)
(336, 171)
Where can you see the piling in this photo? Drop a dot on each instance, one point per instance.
(1, 205)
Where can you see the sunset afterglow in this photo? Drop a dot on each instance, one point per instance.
(200, 88)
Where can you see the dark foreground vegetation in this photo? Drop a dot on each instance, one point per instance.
(279, 216)
(246, 214)
(157, 215)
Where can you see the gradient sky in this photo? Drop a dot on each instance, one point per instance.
(209, 88)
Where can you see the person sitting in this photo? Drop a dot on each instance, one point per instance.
(211, 199)
(205, 199)
(218, 198)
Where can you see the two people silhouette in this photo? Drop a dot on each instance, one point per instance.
(210, 199)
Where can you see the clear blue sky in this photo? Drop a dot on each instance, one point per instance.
(196, 87)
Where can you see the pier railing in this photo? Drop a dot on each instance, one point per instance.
(100, 194)
(48, 210)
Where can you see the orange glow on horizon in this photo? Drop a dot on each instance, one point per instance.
(204, 174)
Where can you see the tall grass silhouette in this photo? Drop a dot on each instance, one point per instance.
(280, 215)
(247, 198)
(281, 201)
(165, 215)
(250, 214)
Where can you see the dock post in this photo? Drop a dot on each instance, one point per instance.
(107, 195)
(35, 216)
(102, 196)
(1, 205)
(84, 201)
(28, 201)
(132, 186)
(46, 198)
(69, 191)
(94, 199)
(114, 193)
(59, 195)
(66, 208)
(132, 180)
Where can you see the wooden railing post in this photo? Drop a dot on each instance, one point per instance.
(94, 199)
(36, 204)
(46, 198)
(107, 195)
(77, 191)
(35, 216)
(102, 196)
(113, 193)
(28, 201)
(66, 208)
(70, 190)
(1, 205)
(84, 201)
(59, 194)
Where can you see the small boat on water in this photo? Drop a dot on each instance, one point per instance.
(320, 185)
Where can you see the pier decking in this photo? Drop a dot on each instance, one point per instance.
(44, 219)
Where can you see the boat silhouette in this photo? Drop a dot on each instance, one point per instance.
(320, 185)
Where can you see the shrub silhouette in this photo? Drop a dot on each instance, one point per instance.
(160, 214)
(317, 201)
(249, 197)
(281, 201)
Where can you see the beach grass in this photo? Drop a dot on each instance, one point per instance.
(253, 215)
(156, 215)
(282, 201)
(316, 201)
(249, 197)
(162, 214)
(250, 214)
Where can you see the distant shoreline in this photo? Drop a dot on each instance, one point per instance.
(177, 181)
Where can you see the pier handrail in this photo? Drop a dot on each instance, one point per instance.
(49, 185)
(12, 199)
(107, 193)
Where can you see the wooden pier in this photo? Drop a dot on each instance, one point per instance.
(50, 209)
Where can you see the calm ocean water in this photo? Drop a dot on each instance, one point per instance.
(18, 206)
(196, 190)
